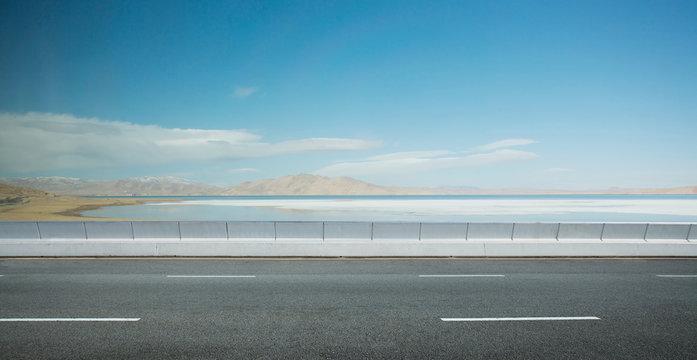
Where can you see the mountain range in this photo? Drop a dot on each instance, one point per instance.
(10, 194)
(146, 186)
(302, 184)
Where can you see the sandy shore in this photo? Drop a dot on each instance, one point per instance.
(64, 208)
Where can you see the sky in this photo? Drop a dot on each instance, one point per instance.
(486, 94)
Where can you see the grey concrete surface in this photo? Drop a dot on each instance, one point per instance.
(396, 231)
(62, 230)
(210, 238)
(628, 232)
(348, 231)
(580, 232)
(203, 230)
(300, 231)
(251, 231)
(356, 309)
(535, 231)
(674, 232)
(25, 230)
(109, 230)
(302, 247)
(144, 230)
(490, 231)
(444, 232)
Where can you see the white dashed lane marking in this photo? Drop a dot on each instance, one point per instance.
(211, 276)
(67, 319)
(557, 318)
(460, 275)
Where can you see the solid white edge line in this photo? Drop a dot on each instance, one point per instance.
(678, 276)
(211, 276)
(558, 318)
(66, 319)
(463, 275)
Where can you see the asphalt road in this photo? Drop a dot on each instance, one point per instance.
(316, 309)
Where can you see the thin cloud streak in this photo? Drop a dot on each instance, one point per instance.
(505, 143)
(243, 92)
(44, 141)
(419, 161)
(409, 154)
(243, 171)
(556, 171)
(389, 164)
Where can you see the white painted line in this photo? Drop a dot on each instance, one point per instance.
(66, 319)
(211, 276)
(558, 318)
(463, 275)
(678, 276)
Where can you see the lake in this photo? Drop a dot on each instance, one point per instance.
(458, 208)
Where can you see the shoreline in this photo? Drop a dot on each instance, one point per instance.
(47, 207)
(67, 208)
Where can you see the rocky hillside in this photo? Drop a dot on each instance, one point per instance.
(305, 184)
(142, 186)
(683, 190)
(302, 184)
(10, 194)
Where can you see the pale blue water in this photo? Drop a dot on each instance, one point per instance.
(461, 208)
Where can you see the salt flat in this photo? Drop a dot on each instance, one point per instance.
(464, 207)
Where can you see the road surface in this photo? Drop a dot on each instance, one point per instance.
(319, 309)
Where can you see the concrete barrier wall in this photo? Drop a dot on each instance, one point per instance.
(165, 230)
(26, 230)
(575, 249)
(583, 232)
(628, 232)
(109, 230)
(536, 231)
(388, 232)
(62, 230)
(348, 231)
(671, 232)
(204, 230)
(211, 238)
(490, 232)
(437, 232)
(256, 231)
(300, 231)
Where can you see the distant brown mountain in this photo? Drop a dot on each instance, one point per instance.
(305, 184)
(142, 186)
(683, 190)
(302, 184)
(10, 194)
(11, 190)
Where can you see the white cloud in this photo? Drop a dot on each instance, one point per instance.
(421, 161)
(243, 171)
(242, 92)
(41, 141)
(505, 143)
(410, 154)
(556, 170)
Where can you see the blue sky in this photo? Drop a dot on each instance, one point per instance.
(547, 94)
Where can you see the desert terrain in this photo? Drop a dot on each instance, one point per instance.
(25, 204)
